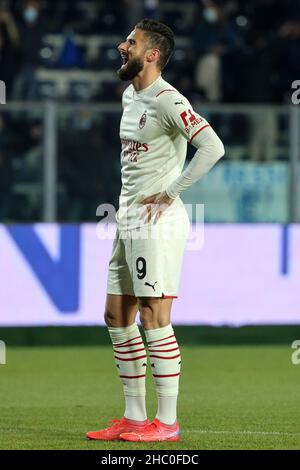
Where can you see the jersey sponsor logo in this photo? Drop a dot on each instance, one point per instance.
(143, 120)
(179, 102)
(131, 150)
(190, 120)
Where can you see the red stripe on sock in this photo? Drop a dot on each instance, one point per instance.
(163, 376)
(163, 350)
(161, 345)
(161, 357)
(127, 345)
(162, 339)
(128, 341)
(130, 358)
(132, 376)
(128, 352)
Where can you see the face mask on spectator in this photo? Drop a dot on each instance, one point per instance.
(210, 15)
(30, 14)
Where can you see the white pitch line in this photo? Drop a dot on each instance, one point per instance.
(263, 433)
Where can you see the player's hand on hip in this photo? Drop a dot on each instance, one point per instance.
(155, 206)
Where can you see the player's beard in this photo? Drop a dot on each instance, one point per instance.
(131, 69)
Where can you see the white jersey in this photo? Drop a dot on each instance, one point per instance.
(155, 126)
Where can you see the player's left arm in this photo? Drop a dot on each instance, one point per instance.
(176, 113)
(198, 132)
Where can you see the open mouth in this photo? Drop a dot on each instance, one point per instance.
(124, 59)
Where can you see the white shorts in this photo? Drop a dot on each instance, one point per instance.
(146, 262)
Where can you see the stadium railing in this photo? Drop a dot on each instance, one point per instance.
(61, 142)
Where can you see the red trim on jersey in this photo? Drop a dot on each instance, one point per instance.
(163, 350)
(162, 339)
(128, 352)
(169, 375)
(199, 130)
(162, 357)
(130, 358)
(128, 341)
(162, 91)
(132, 376)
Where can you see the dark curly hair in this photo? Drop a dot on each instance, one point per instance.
(160, 36)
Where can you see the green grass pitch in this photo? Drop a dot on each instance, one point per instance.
(231, 397)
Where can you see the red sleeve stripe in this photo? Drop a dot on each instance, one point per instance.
(163, 350)
(162, 339)
(169, 375)
(130, 358)
(199, 130)
(132, 376)
(161, 357)
(128, 352)
(161, 345)
(128, 341)
(162, 91)
(129, 345)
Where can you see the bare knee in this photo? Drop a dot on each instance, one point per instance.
(120, 311)
(109, 317)
(149, 312)
(146, 317)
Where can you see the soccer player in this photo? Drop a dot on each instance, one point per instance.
(152, 227)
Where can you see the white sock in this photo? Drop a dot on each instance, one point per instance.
(131, 361)
(165, 361)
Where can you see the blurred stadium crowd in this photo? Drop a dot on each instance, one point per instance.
(228, 51)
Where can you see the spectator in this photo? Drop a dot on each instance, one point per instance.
(270, 66)
(5, 169)
(256, 86)
(216, 42)
(133, 11)
(289, 35)
(82, 199)
(31, 29)
(9, 42)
